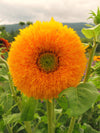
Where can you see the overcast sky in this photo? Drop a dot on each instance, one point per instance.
(14, 11)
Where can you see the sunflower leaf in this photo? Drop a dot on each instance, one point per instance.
(62, 101)
(29, 109)
(92, 32)
(80, 99)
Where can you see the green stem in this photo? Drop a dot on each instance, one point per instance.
(17, 100)
(51, 117)
(91, 54)
(71, 126)
(9, 128)
(59, 117)
(28, 126)
(36, 126)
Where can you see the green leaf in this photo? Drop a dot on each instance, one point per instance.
(1, 110)
(29, 109)
(12, 118)
(20, 129)
(89, 129)
(98, 11)
(36, 116)
(2, 125)
(80, 99)
(92, 32)
(93, 13)
(3, 77)
(62, 101)
(44, 119)
(7, 101)
(96, 81)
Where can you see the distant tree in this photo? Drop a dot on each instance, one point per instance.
(2, 28)
(29, 22)
(13, 34)
(21, 23)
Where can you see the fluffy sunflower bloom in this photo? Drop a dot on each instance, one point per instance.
(96, 58)
(45, 59)
(4, 44)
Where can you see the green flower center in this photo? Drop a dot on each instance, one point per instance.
(48, 62)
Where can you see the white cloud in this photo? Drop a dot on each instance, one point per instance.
(13, 11)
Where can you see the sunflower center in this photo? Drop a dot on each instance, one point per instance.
(48, 62)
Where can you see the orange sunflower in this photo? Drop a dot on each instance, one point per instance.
(4, 44)
(45, 59)
(96, 58)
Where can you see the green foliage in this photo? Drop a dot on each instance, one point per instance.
(63, 102)
(15, 27)
(92, 32)
(96, 78)
(12, 118)
(2, 28)
(8, 36)
(95, 16)
(29, 22)
(21, 23)
(96, 81)
(80, 99)
(2, 125)
(7, 101)
(89, 129)
(29, 108)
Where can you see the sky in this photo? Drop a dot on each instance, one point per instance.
(69, 11)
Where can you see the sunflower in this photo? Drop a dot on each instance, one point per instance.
(4, 44)
(96, 58)
(45, 59)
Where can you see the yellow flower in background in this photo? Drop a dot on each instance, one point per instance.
(45, 59)
(96, 58)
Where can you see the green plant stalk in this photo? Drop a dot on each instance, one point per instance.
(59, 117)
(17, 100)
(51, 117)
(71, 126)
(9, 128)
(28, 126)
(91, 54)
(36, 126)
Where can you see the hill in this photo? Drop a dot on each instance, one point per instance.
(76, 26)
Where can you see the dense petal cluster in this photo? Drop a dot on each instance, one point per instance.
(4, 44)
(45, 59)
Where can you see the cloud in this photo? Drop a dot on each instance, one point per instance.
(32, 10)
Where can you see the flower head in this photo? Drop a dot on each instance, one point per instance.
(45, 59)
(4, 44)
(96, 58)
